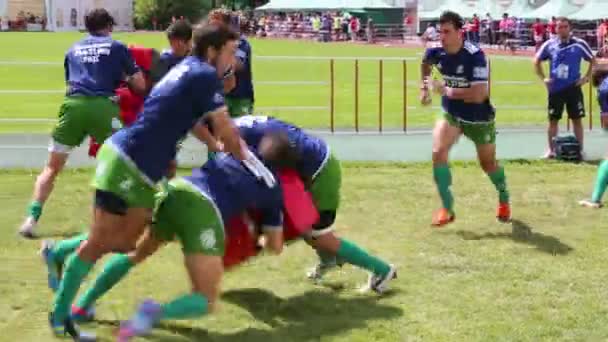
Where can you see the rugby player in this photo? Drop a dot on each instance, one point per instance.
(238, 79)
(135, 159)
(320, 170)
(467, 110)
(94, 67)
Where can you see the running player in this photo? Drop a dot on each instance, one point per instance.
(320, 170)
(135, 159)
(468, 111)
(94, 67)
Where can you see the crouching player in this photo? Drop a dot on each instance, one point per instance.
(600, 80)
(320, 170)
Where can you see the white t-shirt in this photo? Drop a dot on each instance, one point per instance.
(431, 33)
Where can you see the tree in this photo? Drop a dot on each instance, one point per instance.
(164, 10)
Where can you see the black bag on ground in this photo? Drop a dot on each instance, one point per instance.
(567, 148)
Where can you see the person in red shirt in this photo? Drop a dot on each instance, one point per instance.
(551, 28)
(475, 24)
(538, 30)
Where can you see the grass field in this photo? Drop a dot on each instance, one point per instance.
(541, 279)
(519, 104)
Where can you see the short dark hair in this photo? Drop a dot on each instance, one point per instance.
(180, 30)
(97, 20)
(211, 35)
(283, 153)
(563, 19)
(222, 15)
(449, 17)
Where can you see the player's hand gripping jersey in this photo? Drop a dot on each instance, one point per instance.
(461, 70)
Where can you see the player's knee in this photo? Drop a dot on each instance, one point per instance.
(440, 154)
(488, 166)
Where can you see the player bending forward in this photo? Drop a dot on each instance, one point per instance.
(468, 111)
(320, 170)
(192, 210)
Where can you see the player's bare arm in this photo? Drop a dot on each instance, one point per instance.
(425, 71)
(585, 79)
(540, 72)
(201, 132)
(225, 130)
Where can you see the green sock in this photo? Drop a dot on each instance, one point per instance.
(601, 182)
(185, 307)
(443, 180)
(64, 248)
(35, 210)
(499, 180)
(354, 255)
(75, 272)
(114, 270)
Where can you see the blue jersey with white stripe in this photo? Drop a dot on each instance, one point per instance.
(461, 70)
(602, 95)
(565, 61)
(235, 189)
(312, 151)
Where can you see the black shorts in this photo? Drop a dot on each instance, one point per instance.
(572, 99)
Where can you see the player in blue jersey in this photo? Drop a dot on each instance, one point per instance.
(565, 53)
(467, 110)
(600, 80)
(320, 170)
(94, 67)
(194, 211)
(179, 35)
(240, 94)
(133, 160)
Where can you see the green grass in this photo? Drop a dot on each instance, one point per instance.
(50, 47)
(542, 279)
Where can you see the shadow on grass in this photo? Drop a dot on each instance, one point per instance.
(522, 233)
(309, 316)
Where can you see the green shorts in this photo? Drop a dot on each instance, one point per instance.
(186, 213)
(119, 175)
(479, 133)
(239, 107)
(325, 189)
(80, 116)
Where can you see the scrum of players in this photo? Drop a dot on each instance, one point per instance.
(266, 182)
